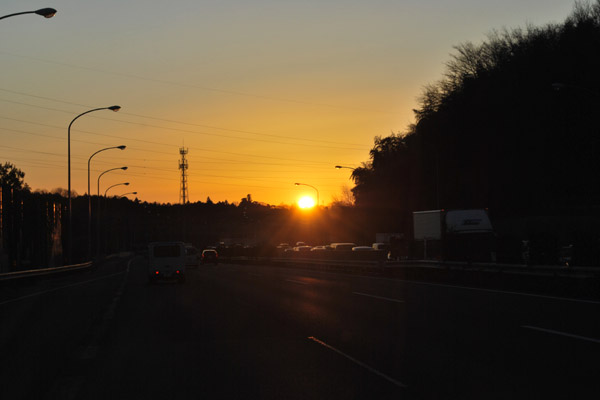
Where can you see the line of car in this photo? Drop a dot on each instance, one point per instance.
(302, 246)
(169, 260)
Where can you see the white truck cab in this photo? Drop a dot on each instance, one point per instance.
(166, 260)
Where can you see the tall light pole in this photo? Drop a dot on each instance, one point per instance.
(317, 190)
(105, 192)
(44, 12)
(108, 170)
(98, 205)
(116, 184)
(90, 198)
(130, 236)
(69, 210)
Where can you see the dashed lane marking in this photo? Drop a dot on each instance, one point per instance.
(355, 361)
(60, 288)
(535, 328)
(378, 297)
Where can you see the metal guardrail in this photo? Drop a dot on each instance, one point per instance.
(7, 276)
(546, 270)
(532, 270)
(570, 282)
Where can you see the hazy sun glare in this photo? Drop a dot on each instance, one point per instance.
(306, 202)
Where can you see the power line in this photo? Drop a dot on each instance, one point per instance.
(218, 135)
(179, 122)
(167, 144)
(171, 83)
(220, 161)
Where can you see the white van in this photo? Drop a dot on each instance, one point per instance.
(166, 260)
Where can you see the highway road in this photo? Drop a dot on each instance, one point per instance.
(240, 331)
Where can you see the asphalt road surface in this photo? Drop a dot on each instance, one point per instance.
(234, 331)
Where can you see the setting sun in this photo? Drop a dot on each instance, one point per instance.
(306, 202)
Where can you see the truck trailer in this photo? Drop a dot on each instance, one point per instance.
(453, 235)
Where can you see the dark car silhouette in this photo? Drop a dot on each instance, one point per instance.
(209, 256)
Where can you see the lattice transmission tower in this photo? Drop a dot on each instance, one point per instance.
(183, 166)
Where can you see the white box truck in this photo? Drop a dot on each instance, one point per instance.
(166, 260)
(460, 235)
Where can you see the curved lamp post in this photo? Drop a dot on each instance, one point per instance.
(44, 12)
(112, 108)
(125, 194)
(90, 159)
(98, 200)
(343, 166)
(108, 170)
(106, 191)
(116, 184)
(317, 190)
(90, 198)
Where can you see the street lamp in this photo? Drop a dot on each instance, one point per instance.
(116, 184)
(90, 198)
(125, 194)
(304, 184)
(90, 159)
(98, 200)
(112, 108)
(105, 207)
(108, 170)
(343, 166)
(44, 12)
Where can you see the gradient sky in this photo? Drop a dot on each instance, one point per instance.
(263, 93)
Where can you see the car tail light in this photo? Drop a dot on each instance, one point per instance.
(156, 272)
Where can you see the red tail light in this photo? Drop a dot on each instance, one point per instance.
(156, 272)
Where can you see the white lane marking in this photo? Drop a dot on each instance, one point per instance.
(298, 282)
(91, 351)
(60, 287)
(378, 297)
(541, 296)
(535, 328)
(354, 360)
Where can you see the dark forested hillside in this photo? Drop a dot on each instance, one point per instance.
(513, 125)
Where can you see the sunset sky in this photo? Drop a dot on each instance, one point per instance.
(263, 93)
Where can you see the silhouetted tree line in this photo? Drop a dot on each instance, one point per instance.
(34, 226)
(512, 126)
(30, 228)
